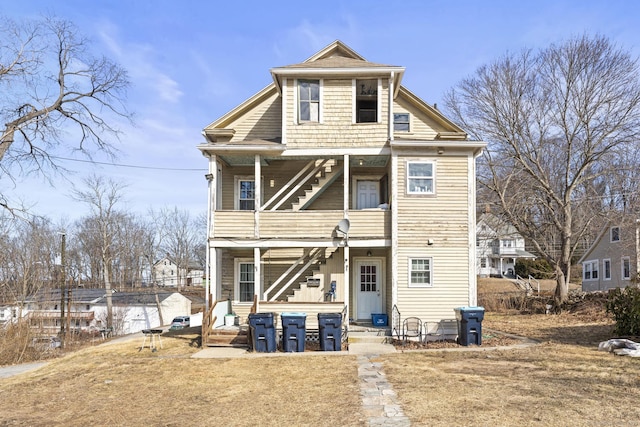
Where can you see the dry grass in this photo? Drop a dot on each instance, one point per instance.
(562, 381)
(116, 384)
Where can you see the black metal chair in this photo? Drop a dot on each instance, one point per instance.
(411, 328)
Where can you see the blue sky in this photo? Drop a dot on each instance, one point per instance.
(192, 61)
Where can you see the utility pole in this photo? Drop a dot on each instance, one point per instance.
(63, 283)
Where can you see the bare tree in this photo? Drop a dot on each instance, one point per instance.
(181, 236)
(102, 197)
(559, 124)
(51, 84)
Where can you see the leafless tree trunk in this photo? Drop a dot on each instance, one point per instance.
(102, 197)
(556, 122)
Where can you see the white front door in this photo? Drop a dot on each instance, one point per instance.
(368, 194)
(369, 285)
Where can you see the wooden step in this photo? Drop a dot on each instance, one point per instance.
(228, 338)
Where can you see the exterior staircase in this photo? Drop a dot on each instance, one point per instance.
(313, 289)
(327, 175)
(228, 336)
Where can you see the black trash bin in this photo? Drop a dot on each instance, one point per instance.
(469, 325)
(263, 332)
(330, 328)
(294, 331)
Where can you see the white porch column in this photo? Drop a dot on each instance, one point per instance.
(394, 229)
(210, 267)
(257, 196)
(346, 186)
(257, 271)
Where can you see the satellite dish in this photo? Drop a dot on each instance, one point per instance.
(343, 226)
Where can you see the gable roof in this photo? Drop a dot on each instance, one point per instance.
(624, 221)
(339, 59)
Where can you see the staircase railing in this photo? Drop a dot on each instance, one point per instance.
(208, 320)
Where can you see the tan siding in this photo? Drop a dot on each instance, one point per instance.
(337, 128)
(421, 126)
(262, 122)
(444, 218)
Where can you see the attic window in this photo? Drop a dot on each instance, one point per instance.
(366, 101)
(615, 234)
(401, 122)
(309, 100)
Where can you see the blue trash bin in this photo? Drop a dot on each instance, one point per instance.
(294, 331)
(263, 332)
(469, 325)
(330, 329)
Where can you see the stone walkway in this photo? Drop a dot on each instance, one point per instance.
(379, 401)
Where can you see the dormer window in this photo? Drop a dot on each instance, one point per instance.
(366, 101)
(309, 100)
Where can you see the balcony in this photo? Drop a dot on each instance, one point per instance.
(306, 224)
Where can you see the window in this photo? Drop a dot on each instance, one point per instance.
(626, 268)
(606, 265)
(366, 101)
(420, 272)
(245, 194)
(615, 234)
(483, 263)
(420, 178)
(246, 281)
(401, 122)
(309, 100)
(590, 270)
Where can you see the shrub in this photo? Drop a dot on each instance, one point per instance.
(624, 305)
(537, 268)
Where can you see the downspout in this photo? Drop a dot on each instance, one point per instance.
(345, 248)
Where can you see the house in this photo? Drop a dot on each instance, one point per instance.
(167, 273)
(498, 247)
(132, 311)
(612, 260)
(337, 189)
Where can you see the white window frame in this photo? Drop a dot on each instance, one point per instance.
(236, 280)
(589, 268)
(236, 191)
(354, 105)
(398, 122)
(296, 103)
(627, 260)
(409, 163)
(411, 270)
(606, 262)
(611, 239)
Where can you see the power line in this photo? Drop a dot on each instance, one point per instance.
(122, 165)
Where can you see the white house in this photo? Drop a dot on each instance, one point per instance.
(132, 312)
(167, 273)
(498, 246)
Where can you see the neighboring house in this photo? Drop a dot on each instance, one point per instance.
(167, 273)
(498, 247)
(336, 188)
(612, 259)
(132, 312)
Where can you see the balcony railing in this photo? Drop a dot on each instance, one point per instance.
(308, 224)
